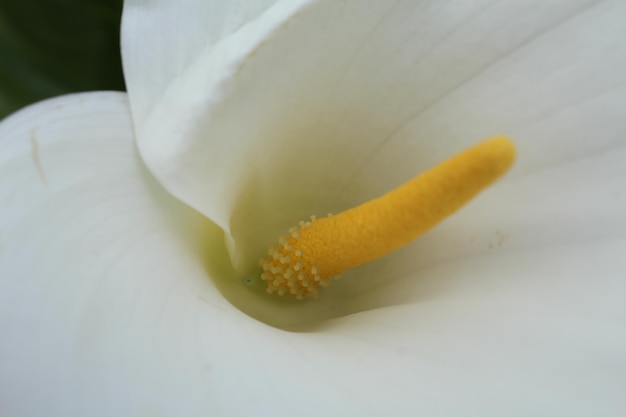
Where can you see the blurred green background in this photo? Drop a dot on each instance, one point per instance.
(53, 47)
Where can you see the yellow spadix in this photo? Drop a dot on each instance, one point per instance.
(323, 248)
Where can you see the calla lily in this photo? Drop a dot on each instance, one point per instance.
(120, 297)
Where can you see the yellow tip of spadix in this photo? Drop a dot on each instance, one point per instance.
(322, 249)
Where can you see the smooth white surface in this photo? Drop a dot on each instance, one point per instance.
(313, 108)
(185, 28)
(107, 305)
(514, 306)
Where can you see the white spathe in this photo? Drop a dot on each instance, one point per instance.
(108, 300)
(311, 107)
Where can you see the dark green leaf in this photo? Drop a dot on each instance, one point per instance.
(53, 47)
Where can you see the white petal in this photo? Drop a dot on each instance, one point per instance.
(345, 100)
(515, 303)
(92, 249)
(199, 61)
(163, 38)
(106, 307)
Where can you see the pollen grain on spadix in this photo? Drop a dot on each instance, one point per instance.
(320, 249)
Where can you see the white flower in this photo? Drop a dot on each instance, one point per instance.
(259, 113)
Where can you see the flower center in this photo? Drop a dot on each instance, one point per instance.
(321, 249)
